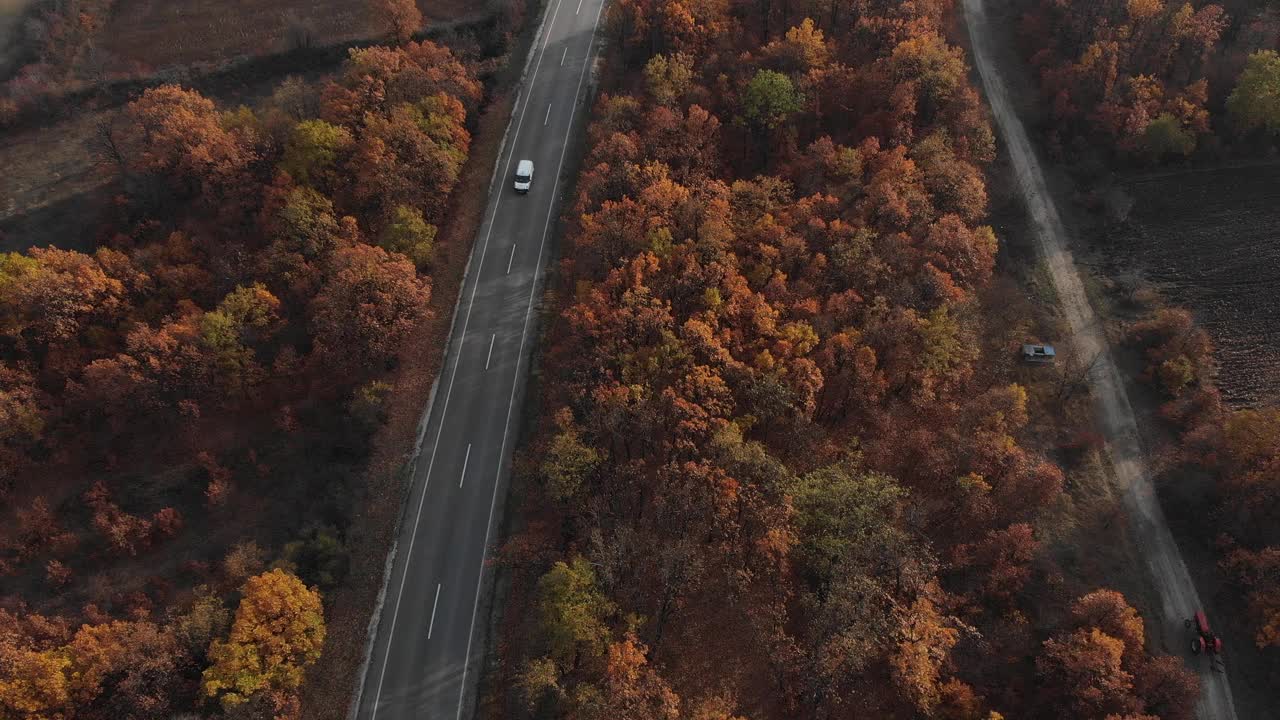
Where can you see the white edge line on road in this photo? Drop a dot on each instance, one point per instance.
(528, 311)
(547, 38)
(489, 357)
(462, 476)
(513, 257)
(435, 603)
(548, 21)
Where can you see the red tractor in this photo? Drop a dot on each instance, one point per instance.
(1205, 641)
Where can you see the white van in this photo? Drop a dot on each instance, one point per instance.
(524, 176)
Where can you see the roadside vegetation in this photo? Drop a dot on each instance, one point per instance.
(185, 412)
(1238, 448)
(1144, 83)
(782, 467)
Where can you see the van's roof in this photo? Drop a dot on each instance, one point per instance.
(524, 166)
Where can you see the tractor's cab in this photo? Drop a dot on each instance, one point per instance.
(1205, 641)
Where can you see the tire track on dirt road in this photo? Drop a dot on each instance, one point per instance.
(1149, 530)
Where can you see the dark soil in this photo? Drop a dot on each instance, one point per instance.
(1209, 240)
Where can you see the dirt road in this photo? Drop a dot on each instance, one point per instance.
(1129, 464)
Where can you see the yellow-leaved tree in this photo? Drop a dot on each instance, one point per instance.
(277, 633)
(33, 684)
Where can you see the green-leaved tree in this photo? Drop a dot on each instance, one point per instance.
(573, 610)
(769, 99)
(1256, 100)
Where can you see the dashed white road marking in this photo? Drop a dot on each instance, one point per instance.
(513, 257)
(490, 355)
(432, 626)
(548, 21)
(465, 459)
(528, 311)
(548, 117)
(564, 54)
(575, 12)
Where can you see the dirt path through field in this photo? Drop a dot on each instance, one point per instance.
(1147, 524)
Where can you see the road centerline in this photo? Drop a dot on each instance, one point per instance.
(466, 459)
(435, 604)
(548, 24)
(515, 383)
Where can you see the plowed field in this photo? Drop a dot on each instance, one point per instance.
(1210, 240)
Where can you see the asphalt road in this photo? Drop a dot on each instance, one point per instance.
(428, 648)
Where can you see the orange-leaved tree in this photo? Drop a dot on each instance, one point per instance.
(402, 18)
(178, 138)
(367, 307)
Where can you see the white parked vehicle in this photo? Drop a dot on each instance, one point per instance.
(524, 176)
(1040, 354)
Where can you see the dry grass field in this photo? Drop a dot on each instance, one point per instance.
(156, 34)
(51, 192)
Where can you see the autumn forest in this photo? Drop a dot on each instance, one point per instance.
(220, 357)
(779, 460)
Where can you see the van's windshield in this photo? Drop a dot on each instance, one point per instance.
(522, 178)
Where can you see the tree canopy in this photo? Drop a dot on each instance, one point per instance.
(277, 632)
(1255, 101)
